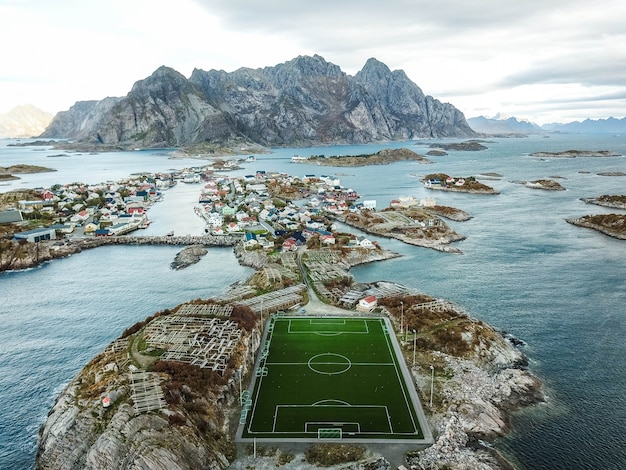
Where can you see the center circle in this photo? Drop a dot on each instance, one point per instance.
(329, 363)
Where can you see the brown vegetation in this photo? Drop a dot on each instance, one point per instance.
(326, 455)
(244, 316)
(448, 330)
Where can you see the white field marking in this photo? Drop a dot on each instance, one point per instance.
(331, 402)
(278, 407)
(347, 363)
(328, 333)
(407, 400)
(327, 321)
(331, 423)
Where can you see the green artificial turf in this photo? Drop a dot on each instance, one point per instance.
(330, 373)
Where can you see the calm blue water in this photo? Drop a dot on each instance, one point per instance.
(560, 288)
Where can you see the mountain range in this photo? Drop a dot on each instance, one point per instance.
(306, 101)
(503, 125)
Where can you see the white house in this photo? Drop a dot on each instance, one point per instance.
(367, 304)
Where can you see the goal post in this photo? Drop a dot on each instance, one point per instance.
(329, 433)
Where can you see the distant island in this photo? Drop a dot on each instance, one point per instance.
(545, 184)
(7, 173)
(576, 154)
(384, 157)
(616, 201)
(467, 146)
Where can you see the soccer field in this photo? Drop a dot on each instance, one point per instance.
(331, 378)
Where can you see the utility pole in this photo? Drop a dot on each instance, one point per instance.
(240, 380)
(414, 344)
(402, 319)
(432, 384)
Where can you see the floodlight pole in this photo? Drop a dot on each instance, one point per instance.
(414, 343)
(402, 318)
(240, 380)
(432, 384)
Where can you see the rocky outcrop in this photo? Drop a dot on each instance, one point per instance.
(545, 184)
(190, 431)
(475, 397)
(188, 256)
(16, 255)
(303, 102)
(606, 200)
(613, 225)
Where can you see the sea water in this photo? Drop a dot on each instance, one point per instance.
(559, 288)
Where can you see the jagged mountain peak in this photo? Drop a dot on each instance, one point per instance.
(162, 76)
(313, 65)
(306, 101)
(374, 66)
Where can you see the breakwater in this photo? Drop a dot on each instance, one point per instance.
(184, 240)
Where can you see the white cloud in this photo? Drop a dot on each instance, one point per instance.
(534, 59)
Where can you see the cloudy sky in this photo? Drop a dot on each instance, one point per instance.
(541, 60)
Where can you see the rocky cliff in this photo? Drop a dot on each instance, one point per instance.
(303, 102)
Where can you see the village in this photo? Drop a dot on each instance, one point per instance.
(268, 210)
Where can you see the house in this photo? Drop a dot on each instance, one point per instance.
(365, 243)
(29, 206)
(36, 235)
(135, 210)
(90, 228)
(367, 304)
(328, 239)
(47, 196)
(233, 227)
(80, 217)
(10, 216)
(289, 244)
(250, 240)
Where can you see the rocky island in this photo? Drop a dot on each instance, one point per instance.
(613, 225)
(143, 402)
(467, 146)
(444, 182)
(545, 184)
(384, 157)
(414, 226)
(7, 173)
(606, 200)
(576, 154)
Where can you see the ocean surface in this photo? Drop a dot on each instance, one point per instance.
(559, 288)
